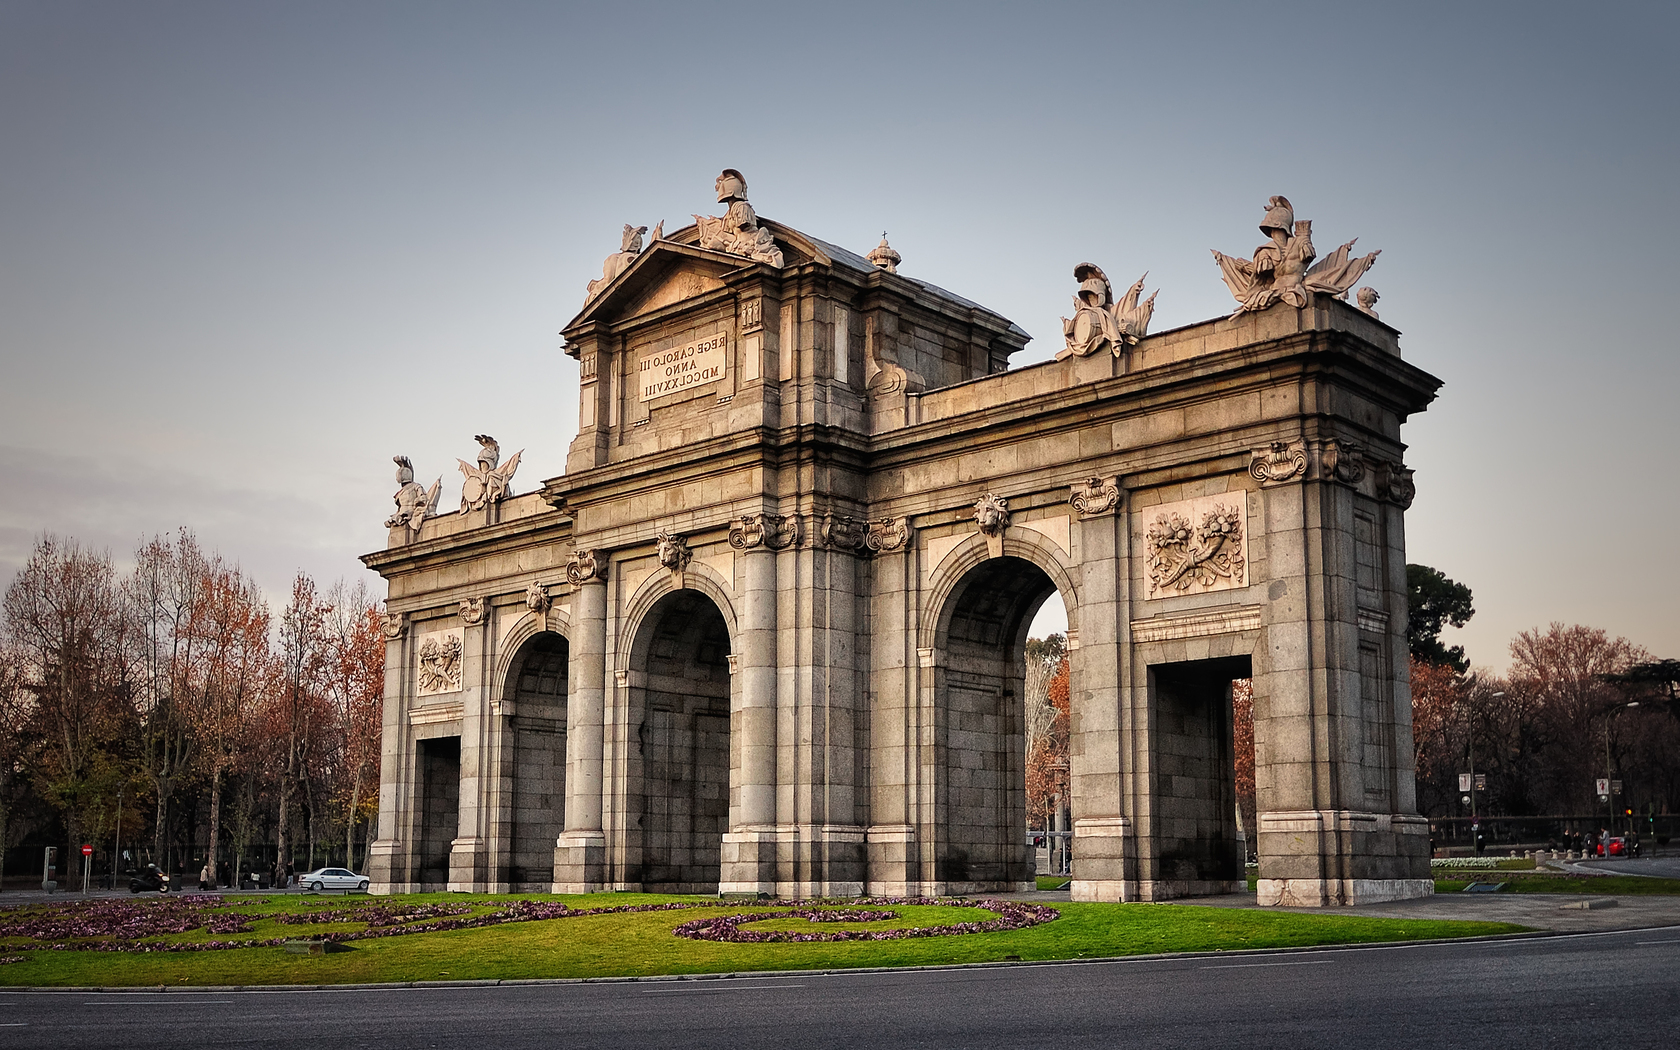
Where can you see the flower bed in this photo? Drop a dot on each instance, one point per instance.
(1010, 916)
(117, 925)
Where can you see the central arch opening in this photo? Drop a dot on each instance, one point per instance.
(682, 723)
(980, 728)
(536, 734)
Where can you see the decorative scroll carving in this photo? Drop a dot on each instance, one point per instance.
(1185, 555)
(486, 483)
(1098, 321)
(472, 611)
(584, 564)
(393, 625)
(1279, 271)
(887, 534)
(771, 530)
(537, 599)
(1341, 460)
(673, 551)
(844, 531)
(1367, 298)
(737, 231)
(1280, 463)
(440, 665)
(1096, 496)
(991, 513)
(1395, 484)
(414, 504)
(619, 261)
(884, 257)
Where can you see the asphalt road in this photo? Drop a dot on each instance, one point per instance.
(1620, 989)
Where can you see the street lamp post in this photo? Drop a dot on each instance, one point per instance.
(1610, 714)
(1475, 815)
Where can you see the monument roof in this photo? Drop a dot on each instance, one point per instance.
(801, 247)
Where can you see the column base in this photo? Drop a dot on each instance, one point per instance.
(1325, 893)
(748, 862)
(889, 851)
(580, 862)
(467, 864)
(1331, 858)
(1105, 860)
(386, 865)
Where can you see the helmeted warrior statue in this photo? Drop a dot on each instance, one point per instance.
(1098, 321)
(414, 504)
(737, 231)
(487, 483)
(1279, 271)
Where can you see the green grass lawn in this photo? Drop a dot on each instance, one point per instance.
(1553, 882)
(642, 944)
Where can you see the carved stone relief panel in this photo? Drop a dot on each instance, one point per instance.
(472, 611)
(1197, 545)
(439, 663)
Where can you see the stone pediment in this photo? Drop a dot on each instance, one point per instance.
(676, 268)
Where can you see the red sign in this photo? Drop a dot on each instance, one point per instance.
(87, 851)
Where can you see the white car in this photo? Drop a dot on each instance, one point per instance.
(333, 879)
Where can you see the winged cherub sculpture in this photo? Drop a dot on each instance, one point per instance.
(1280, 269)
(486, 483)
(1098, 321)
(414, 504)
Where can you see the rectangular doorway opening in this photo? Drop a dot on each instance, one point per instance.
(1197, 847)
(439, 816)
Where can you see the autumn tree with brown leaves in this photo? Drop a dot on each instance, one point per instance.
(65, 621)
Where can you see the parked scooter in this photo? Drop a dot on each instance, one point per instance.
(152, 878)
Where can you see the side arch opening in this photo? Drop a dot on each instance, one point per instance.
(536, 736)
(679, 710)
(980, 719)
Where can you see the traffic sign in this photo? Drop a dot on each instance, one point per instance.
(87, 850)
(1603, 786)
(1464, 782)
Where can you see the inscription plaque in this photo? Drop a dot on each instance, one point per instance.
(681, 367)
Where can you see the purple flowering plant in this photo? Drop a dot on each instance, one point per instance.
(119, 925)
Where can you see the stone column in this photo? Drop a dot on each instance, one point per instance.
(390, 855)
(469, 854)
(580, 852)
(1104, 848)
(896, 781)
(749, 848)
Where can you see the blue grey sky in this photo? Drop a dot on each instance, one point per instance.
(248, 252)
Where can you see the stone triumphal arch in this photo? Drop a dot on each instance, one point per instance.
(765, 633)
